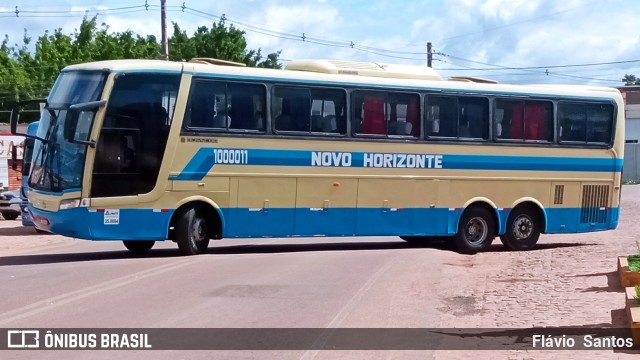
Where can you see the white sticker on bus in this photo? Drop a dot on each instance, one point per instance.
(231, 156)
(112, 216)
(403, 161)
(330, 158)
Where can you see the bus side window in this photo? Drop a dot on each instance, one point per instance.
(413, 116)
(291, 108)
(301, 112)
(245, 104)
(599, 123)
(573, 121)
(535, 119)
(283, 119)
(443, 114)
(202, 110)
(477, 118)
(524, 120)
(373, 119)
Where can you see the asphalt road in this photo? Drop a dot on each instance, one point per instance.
(269, 283)
(48, 281)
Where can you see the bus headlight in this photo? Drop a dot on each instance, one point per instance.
(69, 204)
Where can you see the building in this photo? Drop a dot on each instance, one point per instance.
(631, 95)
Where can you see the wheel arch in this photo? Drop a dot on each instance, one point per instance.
(212, 210)
(485, 203)
(534, 204)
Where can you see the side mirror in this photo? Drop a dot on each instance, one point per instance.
(15, 114)
(73, 117)
(14, 157)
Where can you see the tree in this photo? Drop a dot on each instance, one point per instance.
(25, 74)
(219, 42)
(630, 79)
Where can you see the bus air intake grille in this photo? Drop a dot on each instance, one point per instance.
(594, 204)
(559, 196)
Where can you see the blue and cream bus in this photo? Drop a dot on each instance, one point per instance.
(144, 151)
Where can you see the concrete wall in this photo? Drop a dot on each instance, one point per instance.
(631, 157)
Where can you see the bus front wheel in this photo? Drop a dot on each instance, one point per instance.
(476, 230)
(138, 246)
(192, 231)
(523, 229)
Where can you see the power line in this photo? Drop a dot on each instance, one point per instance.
(499, 67)
(307, 38)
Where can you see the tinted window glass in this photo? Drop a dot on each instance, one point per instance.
(309, 110)
(458, 117)
(583, 122)
(223, 106)
(134, 134)
(524, 120)
(386, 114)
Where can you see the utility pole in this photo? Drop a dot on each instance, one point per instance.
(163, 24)
(429, 55)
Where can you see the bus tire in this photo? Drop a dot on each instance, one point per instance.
(138, 246)
(523, 229)
(476, 230)
(192, 231)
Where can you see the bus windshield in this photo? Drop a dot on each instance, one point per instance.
(58, 163)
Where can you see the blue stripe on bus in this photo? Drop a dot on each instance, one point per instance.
(204, 159)
(285, 222)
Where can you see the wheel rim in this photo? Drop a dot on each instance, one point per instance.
(198, 230)
(522, 227)
(476, 230)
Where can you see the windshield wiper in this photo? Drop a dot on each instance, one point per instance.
(54, 117)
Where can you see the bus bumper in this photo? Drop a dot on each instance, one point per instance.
(25, 215)
(105, 224)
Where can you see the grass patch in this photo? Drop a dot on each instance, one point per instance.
(634, 262)
(631, 182)
(637, 297)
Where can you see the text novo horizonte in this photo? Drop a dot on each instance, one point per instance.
(377, 160)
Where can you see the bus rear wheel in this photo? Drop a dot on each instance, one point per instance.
(192, 231)
(476, 230)
(523, 229)
(138, 246)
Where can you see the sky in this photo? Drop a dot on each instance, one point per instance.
(594, 42)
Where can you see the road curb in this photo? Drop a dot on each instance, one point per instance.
(627, 277)
(632, 308)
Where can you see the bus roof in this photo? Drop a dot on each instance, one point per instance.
(332, 72)
(365, 69)
(129, 64)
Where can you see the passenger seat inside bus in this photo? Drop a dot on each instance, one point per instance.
(283, 121)
(242, 112)
(329, 124)
(202, 111)
(221, 120)
(317, 123)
